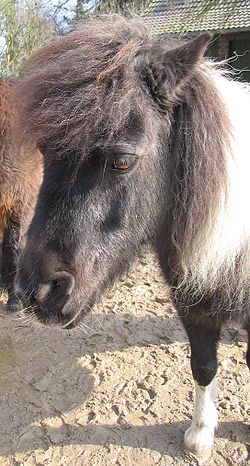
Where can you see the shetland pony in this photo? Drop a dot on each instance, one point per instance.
(144, 142)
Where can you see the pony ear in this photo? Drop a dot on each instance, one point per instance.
(165, 70)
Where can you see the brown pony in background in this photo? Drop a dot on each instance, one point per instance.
(20, 179)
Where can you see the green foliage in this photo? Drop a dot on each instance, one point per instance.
(24, 26)
(85, 8)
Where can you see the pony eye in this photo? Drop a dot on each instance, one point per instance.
(122, 164)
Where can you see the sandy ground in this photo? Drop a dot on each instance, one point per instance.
(120, 391)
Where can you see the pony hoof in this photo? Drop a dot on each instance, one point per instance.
(199, 441)
(200, 455)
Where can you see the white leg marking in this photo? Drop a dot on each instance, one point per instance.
(200, 435)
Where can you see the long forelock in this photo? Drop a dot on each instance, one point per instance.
(81, 90)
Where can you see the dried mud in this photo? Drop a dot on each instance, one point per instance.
(119, 391)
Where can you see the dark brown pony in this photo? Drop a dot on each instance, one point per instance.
(20, 178)
(144, 142)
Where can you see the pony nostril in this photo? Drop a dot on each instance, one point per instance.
(64, 280)
(59, 286)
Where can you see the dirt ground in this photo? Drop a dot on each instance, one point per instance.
(119, 391)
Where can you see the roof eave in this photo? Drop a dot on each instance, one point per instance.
(214, 31)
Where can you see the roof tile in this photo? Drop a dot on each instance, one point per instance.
(177, 16)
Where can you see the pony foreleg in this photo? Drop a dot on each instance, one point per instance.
(200, 435)
(10, 250)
